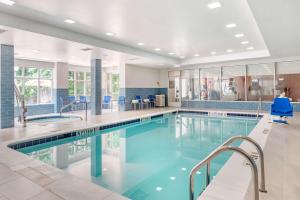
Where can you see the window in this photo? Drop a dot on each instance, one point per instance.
(35, 84)
(79, 83)
(260, 82)
(233, 83)
(288, 80)
(190, 84)
(210, 79)
(174, 86)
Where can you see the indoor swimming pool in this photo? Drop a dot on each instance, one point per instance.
(148, 160)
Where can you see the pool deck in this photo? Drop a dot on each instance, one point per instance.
(22, 177)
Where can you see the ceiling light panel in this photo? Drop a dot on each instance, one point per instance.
(7, 2)
(69, 21)
(230, 25)
(239, 35)
(214, 5)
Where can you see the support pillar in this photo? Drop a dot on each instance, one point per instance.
(60, 91)
(6, 86)
(96, 78)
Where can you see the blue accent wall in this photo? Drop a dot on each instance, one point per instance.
(40, 109)
(235, 105)
(130, 94)
(6, 86)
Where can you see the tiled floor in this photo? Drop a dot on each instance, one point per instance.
(24, 178)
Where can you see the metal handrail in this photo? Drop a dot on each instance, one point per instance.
(21, 105)
(215, 153)
(66, 106)
(261, 157)
(72, 103)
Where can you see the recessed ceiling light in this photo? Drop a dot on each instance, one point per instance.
(157, 49)
(229, 51)
(245, 42)
(230, 25)
(196, 55)
(140, 44)
(69, 21)
(35, 50)
(239, 35)
(7, 2)
(172, 178)
(213, 53)
(158, 189)
(183, 169)
(250, 48)
(214, 5)
(171, 53)
(109, 34)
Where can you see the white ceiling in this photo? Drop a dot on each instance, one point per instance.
(35, 46)
(183, 27)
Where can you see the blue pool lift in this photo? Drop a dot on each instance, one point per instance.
(283, 108)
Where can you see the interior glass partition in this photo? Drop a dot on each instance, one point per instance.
(233, 83)
(260, 82)
(190, 84)
(174, 88)
(210, 81)
(288, 80)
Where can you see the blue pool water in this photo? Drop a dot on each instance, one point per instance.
(149, 160)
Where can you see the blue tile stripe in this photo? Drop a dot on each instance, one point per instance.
(39, 109)
(87, 132)
(235, 105)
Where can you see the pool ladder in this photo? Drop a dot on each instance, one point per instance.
(224, 148)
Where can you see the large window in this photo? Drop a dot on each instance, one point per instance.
(233, 83)
(79, 83)
(288, 80)
(260, 82)
(190, 84)
(35, 84)
(210, 79)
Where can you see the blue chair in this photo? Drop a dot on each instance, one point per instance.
(121, 102)
(283, 108)
(82, 99)
(151, 100)
(71, 98)
(106, 103)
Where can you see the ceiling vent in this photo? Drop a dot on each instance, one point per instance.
(133, 59)
(2, 31)
(86, 49)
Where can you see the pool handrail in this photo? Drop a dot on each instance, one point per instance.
(212, 155)
(260, 153)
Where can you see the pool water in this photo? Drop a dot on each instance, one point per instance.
(149, 160)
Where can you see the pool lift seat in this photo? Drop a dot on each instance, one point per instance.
(283, 108)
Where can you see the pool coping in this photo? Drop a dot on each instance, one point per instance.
(25, 161)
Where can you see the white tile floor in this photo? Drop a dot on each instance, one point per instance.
(24, 178)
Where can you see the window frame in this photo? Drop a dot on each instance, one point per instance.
(24, 78)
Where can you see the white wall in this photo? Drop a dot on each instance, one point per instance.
(144, 77)
(33, 63)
